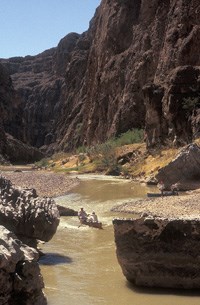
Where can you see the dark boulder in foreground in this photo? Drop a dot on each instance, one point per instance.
(184, 169)
(159, 252)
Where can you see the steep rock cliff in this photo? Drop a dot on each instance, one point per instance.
(137, 65)
(12, 149)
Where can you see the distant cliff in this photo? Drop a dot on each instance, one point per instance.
(136, 66)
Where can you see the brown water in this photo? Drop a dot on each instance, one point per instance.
(80, 266)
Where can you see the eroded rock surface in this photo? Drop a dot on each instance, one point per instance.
(24, 218)
(159, 252)
(20, 278)
(30, 217)
(184, 169)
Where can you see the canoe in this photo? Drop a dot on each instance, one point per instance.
(97, 225)
(164, 194)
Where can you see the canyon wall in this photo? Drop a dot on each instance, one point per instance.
(136, 66)
(11, 148)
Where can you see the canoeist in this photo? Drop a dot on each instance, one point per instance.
(93, 217)
(82, 215)
(89, 220)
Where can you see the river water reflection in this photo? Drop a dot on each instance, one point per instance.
(80, 266)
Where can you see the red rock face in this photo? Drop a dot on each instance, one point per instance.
(135, 67)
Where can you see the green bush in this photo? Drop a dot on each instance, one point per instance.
(104, 155)
(130, 137)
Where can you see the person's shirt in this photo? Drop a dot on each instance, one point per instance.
(95, 218)
(82, 214)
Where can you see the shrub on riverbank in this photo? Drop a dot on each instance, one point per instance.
(104, 154)
(129, 137)
(97, 158)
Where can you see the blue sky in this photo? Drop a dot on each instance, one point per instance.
(29, 27)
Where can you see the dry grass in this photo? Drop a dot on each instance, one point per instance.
(142, 162)
(150, 164)
(197, 141)
(146, 163)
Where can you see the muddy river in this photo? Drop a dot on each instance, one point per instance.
(80, 266)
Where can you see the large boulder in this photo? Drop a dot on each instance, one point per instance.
(30, 217)
(159, 252)
(184, 169)
(20, 278)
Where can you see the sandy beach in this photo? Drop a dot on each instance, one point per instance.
(47, 184)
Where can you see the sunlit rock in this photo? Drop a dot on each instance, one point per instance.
(20, 278)
(183, 170)
(30, 217)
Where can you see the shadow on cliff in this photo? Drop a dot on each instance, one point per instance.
(54, 259)
(163, 291)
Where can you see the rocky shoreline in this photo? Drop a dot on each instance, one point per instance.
(47, 184)
(25, 218)
(50, 184)
(157, 245)
(187, 205)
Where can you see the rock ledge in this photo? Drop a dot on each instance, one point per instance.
(159, 252)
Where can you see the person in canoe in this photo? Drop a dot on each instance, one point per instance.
(93, 217)
(89, 220)
(82, 215)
